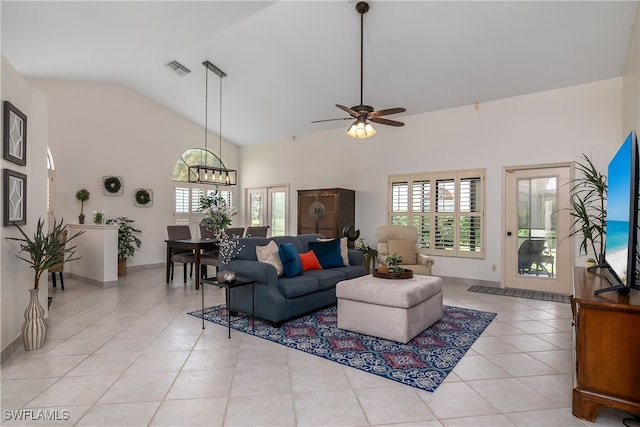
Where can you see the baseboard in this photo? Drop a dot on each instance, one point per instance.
(468, 282)
(11, 348)
(144, 266)
(92, 282)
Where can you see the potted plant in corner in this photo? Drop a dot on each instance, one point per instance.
(82, 195)
(45, 249)
(128, 241)
(588, 196)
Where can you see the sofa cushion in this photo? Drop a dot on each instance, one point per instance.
(351, 271)
(291, 287)
(309, 261)
(327, 279)
(344, 248)
(271, 255)
(405, 249)
(306, 238)
(248, 246)
(328, 253)
(299, 245)
(290, 260)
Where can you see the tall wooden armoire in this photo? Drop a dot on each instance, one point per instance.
(326, 211)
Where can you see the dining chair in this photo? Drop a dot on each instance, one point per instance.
(205, 233)
(234, 231)
(185, 256)
(59, 268)
(206, 259)
(257, 231)
(209, 257)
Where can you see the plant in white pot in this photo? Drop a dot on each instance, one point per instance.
(45, 250)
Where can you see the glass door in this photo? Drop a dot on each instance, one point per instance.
(537, 257)
(268, 206)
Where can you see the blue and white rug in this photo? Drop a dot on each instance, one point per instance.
(423, 363)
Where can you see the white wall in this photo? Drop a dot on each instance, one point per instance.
(540, 128)
(631, 80)
(16, 276)
(99, 129)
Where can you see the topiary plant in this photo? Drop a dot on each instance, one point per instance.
(82, 195)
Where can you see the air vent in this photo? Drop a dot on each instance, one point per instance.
(180, 69)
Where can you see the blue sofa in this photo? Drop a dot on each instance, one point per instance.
(280, 298)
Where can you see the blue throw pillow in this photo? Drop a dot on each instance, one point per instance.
(290, 260)
(328, 253)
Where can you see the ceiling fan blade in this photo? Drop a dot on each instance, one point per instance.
(353, 113)
(330, 120)
(386, 121)
(387, 112)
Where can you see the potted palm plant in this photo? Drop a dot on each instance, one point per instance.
(588, 211)
(82, 195)
(44, 250)
(128, 241)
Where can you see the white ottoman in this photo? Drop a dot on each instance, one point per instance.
(396, 310)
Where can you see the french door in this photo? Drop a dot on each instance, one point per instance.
(268, 206)
(537, 252)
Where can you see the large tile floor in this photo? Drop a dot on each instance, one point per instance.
(131, 355)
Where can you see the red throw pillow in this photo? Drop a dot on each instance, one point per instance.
(310, 261)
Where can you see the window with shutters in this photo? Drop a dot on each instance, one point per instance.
(446, 208)
(187, 194)
(187, 208)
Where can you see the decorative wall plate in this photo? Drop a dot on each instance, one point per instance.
(143, 197)
(316, 211)
(112, 185)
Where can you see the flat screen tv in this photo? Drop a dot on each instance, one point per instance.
(621, 244)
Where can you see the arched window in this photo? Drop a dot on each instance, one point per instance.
(192, 157)
(187, 194)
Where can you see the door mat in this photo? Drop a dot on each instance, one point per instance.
(521, 293)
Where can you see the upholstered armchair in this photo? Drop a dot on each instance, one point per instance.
(403, 240)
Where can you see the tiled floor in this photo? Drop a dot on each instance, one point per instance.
(131, 356)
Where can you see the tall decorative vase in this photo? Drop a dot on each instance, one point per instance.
(34, 328)
(366, 262)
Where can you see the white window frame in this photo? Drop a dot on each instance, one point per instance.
(426, 214)
(191, 213)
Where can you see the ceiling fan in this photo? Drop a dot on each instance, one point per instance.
(364, 114)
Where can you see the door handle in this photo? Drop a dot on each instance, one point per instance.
(509, 233)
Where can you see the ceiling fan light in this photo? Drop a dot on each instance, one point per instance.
(369, 130)
(361, 129)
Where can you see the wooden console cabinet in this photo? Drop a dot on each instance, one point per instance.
(326, 211)
(607, 347)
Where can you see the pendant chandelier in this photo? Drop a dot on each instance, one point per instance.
(203, 172)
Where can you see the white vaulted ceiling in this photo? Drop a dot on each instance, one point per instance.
(289, 62)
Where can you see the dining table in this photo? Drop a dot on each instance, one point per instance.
(198, 246)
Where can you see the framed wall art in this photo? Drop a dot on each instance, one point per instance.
(14, 197)
(14, 136)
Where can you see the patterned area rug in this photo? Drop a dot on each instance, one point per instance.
(521, 293)
(424, 362)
